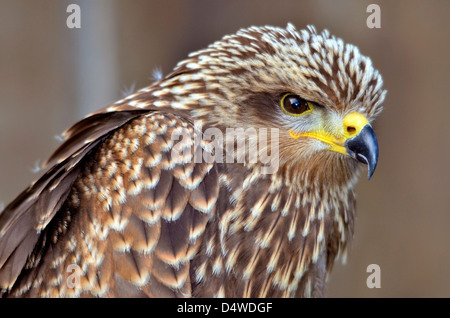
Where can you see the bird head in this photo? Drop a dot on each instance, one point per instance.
(320, 93)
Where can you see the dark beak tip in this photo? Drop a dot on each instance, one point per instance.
(364, 148)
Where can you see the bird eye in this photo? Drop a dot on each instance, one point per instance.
(294, 105)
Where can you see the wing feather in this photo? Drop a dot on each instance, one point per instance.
(130, 220)
(24, 218)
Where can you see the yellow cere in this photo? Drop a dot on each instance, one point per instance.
(353, 124)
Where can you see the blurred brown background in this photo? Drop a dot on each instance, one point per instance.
(51, 76)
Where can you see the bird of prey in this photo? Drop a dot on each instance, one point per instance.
(150, 198)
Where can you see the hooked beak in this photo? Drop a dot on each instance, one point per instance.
(364, 148)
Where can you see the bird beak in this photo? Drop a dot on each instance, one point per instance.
(362, 145)
(364, 148)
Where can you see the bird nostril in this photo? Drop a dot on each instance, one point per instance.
(351, 129)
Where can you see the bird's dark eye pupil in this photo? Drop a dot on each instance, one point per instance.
(295, 104)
